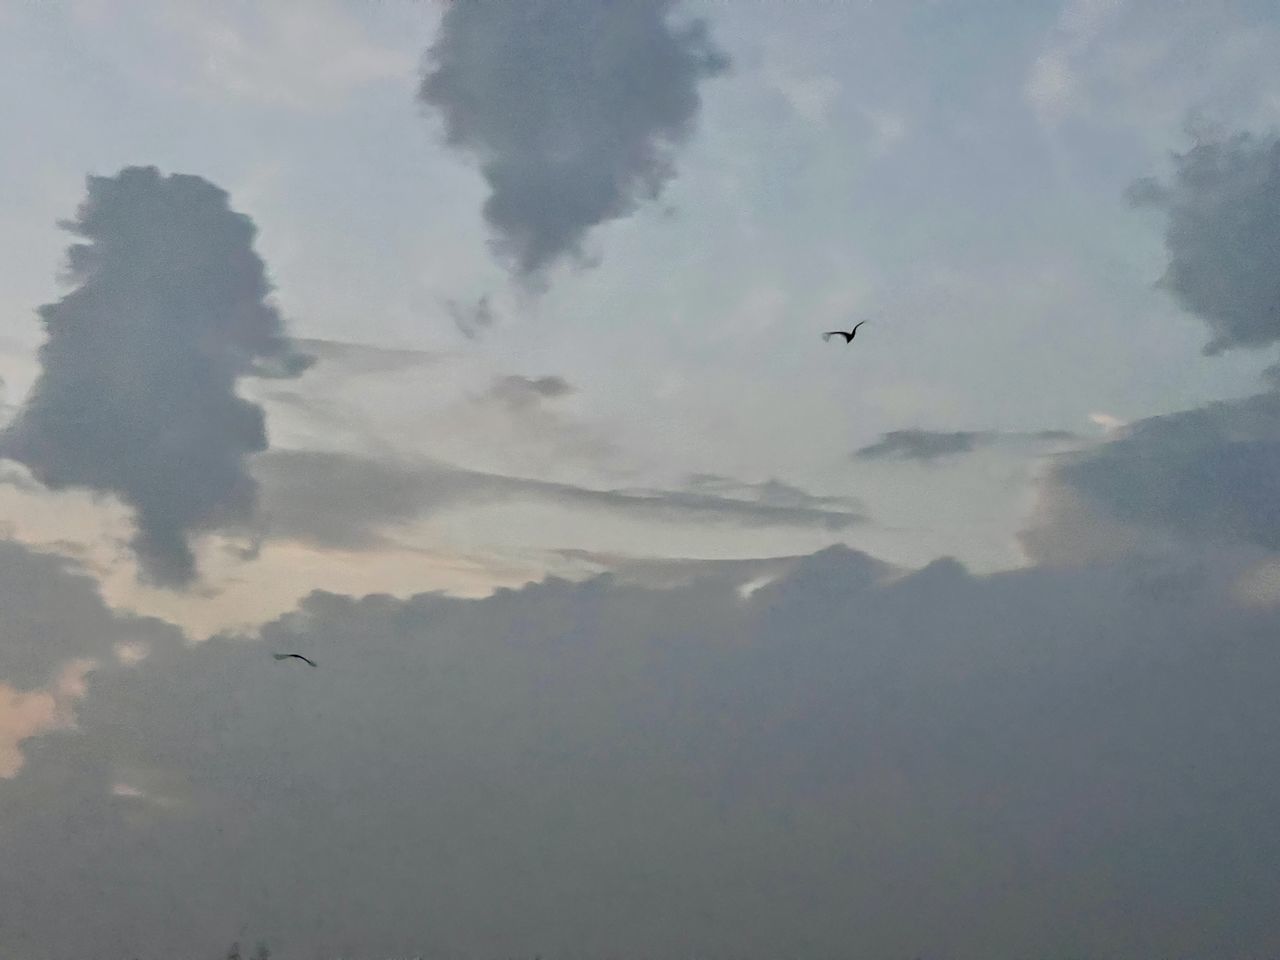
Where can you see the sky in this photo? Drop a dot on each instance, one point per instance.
(475, 351)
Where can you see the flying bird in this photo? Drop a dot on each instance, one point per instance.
(295, 656)
(848, 337)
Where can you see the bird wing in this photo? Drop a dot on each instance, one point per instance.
(831, 333)
(293, 656)
(857, 325)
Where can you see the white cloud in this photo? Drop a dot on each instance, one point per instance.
(1051, 86)
(888, 129)
(1106, 421)
(307, 56)
(1145, 66)
(810, 96)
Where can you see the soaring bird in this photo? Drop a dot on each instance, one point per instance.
(848, 337)
(295, 656)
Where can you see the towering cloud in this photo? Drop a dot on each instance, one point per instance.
(573, 106)
(136, 396)
(1223, 237)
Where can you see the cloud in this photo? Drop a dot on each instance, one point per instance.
(520, 392)
(1106, 421)
(529, 425)
(1211, 472)
(930, 445)
(922, 444)
(573, 107)
(1223, 237)
(28, 713)
(670, 572)
(56, 628)
(771, 493)
(1138, 67)
(1053, 87)
(363, 358)
(310, 57)
(348, 501)
(472, 321)
(811, 95)
(1208, 475)
(660, 771)
(53, 615)
(137, 390)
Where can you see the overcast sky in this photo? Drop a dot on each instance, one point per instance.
(474, 350)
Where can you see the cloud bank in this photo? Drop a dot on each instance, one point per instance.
(137, 391)
(574, 108)
(851, 761)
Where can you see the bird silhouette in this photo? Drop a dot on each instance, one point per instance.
(295, 656)
(848, 336)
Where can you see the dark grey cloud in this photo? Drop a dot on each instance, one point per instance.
(1211, 472)
(137, 391)
(574, 108)
(606, 769)
(930, 445)
(1223, 237)
(349, 501)
(53, 613)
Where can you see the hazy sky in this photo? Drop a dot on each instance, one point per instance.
(325, 321)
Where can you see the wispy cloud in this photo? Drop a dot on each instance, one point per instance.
(930, 445)
(472, 320)
(358, 359)
(342, 500)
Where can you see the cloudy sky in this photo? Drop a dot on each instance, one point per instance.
(474, 350)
